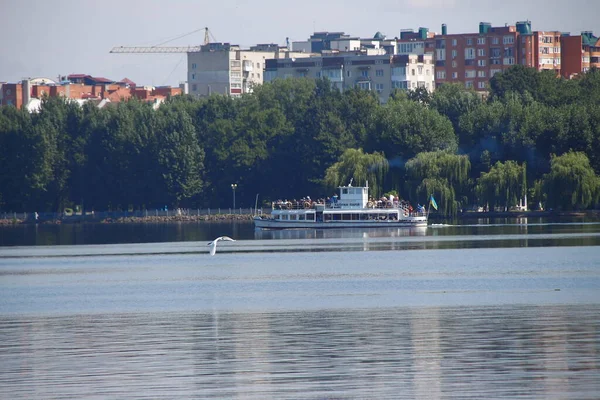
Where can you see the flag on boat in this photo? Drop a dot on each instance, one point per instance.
(433, 203)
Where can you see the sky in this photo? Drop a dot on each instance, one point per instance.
(45, 38)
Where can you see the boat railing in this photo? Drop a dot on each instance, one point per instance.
(306, 204)
(295, 204)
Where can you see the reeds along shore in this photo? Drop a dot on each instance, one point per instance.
(129, 219)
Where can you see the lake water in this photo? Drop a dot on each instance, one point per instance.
(493, 309)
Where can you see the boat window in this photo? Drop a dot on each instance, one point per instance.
(344, 191)
(336, 217)
(302, 217)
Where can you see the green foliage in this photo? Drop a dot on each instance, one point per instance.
(441, 174)
(503, 185)
(453, 100)
(363, 168)
(571, 182)
(295, 137)
(404, 128)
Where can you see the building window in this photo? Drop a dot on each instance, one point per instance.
(494, 72)
(348, 73)
(509, 39)
(481, 52)
(440, 74)
(481, 63)
(364, 73)
(454, 53)
(469, 41)
(509, 60)
(412, 72)
(379, 72)
(481, 85)
(258, 65)
(453, 64)
(235, 64)
(469, 53)
(481, 40)
(470, 73)
(364, 85)
(455, 75)
(399, 84)
(420, 68)
(481, 74)
(194, 87)
(379, 87)
(469, 84)
(398, 71)
(194, 66)
(453, 42)
(193, 76)
(495, 40)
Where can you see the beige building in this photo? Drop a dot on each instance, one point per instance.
(380, 73)
(227, 69)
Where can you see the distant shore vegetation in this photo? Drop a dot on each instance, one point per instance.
(534, 136)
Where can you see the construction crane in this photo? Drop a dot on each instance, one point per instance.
(166, 49)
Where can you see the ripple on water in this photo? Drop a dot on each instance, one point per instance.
(429, 352)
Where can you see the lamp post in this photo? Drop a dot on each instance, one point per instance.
(233, 187)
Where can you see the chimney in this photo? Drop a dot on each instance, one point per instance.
(444, 29)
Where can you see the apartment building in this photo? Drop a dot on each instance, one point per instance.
(579, 53)
(473, 58)
(540, 50)
(225, 68)
(420, 42)
(380, 73)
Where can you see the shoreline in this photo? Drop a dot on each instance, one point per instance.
(77, 219)
(90, 219)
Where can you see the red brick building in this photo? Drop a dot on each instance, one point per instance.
(81, 87)
(473, 58)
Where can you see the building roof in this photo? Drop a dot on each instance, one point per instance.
(128, 81)
(76, 76)
(99, 79)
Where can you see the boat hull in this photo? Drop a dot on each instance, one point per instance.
(268, 223)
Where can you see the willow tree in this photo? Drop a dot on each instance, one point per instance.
(361, 167)
(503, 185)
(571, 183)
(441, 174)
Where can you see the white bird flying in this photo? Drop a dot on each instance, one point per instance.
(213, 244)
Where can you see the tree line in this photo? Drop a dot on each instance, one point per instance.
(534, 135)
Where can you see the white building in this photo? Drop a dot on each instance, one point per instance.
(227, 69)
(379, 73)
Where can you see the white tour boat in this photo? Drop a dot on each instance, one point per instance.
(353, 209)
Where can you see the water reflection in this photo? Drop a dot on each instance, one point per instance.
(527, 352)
(263, 234)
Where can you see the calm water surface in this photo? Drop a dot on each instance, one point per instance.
(508, 309)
